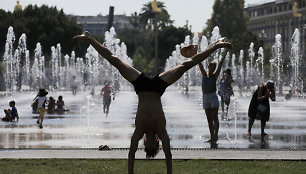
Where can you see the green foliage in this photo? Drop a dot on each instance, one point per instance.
(152, 20)
(168, 38)
(51, 26)
(137, 40)
(2, 71)
(230, 17)
(44, 24)
(243, 41)
(133, 39)
(135, 21)
(141, 63)
(115, 166)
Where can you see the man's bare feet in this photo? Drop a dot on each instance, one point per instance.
(85, 36)
(222, 44)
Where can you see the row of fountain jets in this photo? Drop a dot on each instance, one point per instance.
(21, 74)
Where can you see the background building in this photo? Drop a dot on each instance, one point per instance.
(98, 25)
(278, 17)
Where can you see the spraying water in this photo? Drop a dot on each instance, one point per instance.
(9, 62)
(278, 62)
(251, 65)
(295, 59)
(260, 61)
(21, 73)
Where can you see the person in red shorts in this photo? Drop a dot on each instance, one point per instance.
(107, 92)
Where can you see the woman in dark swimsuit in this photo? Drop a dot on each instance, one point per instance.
(150, 118)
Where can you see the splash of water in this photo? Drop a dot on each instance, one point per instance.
(232, 113)
(251, 65)
(9, 63)
(278, 62)
(260, 61)
(295, 60)
(62, 68)
(241, 68)
(234, 67)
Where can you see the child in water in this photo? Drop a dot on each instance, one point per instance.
(51, 105)
(60, 105)
(42, 101)
(11, 114)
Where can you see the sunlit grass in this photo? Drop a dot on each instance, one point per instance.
(105, 166)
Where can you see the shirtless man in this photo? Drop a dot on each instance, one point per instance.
(150, 118)
(106, 92)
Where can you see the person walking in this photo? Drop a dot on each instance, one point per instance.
(41, 99)
(107, 92)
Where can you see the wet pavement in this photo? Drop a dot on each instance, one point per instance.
(86, 126)
(181, 153)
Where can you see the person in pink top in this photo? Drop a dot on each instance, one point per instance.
(106, 92)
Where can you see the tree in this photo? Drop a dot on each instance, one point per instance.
(215, 20)
(168, 38)
(230, 17)
(147, 16)
(141, 63)
(44, 24)
(135, 21)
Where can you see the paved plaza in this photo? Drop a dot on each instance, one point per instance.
(194, 153)
(78, 133)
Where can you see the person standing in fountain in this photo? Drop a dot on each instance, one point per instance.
(150, 119)
(210, 98)
(259, 106)
(42, 101)
(106, 92)
(74, 85)
(226, 89)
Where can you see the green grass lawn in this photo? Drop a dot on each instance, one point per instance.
(74, 166)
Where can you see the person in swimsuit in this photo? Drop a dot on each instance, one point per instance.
(210, 98)
(150, 119)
